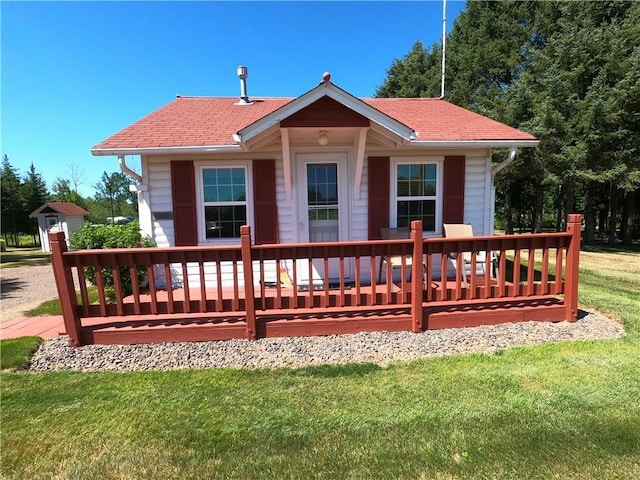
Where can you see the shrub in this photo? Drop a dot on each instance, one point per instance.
(111, 236)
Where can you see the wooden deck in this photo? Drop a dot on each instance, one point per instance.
(538, 282)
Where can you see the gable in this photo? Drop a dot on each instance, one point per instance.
(325, 112)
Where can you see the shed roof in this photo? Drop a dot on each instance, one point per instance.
(63, 208)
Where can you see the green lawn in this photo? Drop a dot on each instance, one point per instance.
(567, 410)
(19, 257)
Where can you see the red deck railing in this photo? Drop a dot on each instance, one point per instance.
(241, 291)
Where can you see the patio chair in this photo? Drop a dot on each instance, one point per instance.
(458, 230)
(387, 233)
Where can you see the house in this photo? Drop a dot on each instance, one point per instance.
(58, 217)
(324, 166)
(268, 216)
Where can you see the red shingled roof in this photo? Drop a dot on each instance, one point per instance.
(434, 119)
(212, 121)
(64, 208)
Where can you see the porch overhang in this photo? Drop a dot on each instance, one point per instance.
(270, 123)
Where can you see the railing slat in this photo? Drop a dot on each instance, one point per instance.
(153, 291)
(185, 285)
(101, 291)
(545, 269)
(203, 286)
(135, 286)
(82, 281)
(531, 270)
(169, 283)
(117, 285)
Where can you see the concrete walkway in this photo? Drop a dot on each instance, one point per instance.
(45, 327)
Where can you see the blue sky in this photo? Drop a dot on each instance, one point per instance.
(74, 73)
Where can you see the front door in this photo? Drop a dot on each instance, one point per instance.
(324, 201)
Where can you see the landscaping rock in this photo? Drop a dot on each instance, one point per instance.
(380, 348)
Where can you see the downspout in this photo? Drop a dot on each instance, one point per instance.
(144, 206)
(510, 158)
(127, 170)
(505, 162)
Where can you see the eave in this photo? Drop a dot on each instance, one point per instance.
(474, 143)
(166, 150)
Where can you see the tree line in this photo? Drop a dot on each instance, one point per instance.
(23, 194)
(566, 72)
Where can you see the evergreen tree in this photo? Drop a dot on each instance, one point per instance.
(34, 193)
(10, 201)
(416, 75)
(568, 72)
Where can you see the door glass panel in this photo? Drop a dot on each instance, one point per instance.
(322, 201)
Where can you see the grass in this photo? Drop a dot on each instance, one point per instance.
(555, 411)
(53, 306)
(15, 353)
(566, 410)
(20, 257)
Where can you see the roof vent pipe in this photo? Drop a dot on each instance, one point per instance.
(243, 73)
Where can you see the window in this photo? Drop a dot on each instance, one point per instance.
(416, 188)
(225, 201)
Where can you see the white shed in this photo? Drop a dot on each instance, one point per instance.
(58, 217)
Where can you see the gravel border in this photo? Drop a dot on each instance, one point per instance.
(380, 348)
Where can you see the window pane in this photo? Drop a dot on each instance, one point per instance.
(210, 194)
(416, 180)
(239, 194)
(322, 184)
(225, 222)
(403, 188)
(238, 176)
(323, 214)
(424, 210)
(225, 193)
(209, 177)
(404, 172)
(224, 184)
(224, 176)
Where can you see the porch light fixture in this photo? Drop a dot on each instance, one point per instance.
(323, 139)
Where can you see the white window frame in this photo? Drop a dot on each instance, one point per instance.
(201, 204)
(438, 161)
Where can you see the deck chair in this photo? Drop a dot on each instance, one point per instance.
(394, 260)
(458, 230)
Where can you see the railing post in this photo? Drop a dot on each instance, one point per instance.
(66, 288)
(571, 270)
(247, 267)
(416, 276)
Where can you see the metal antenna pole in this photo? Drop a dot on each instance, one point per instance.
(444, 43)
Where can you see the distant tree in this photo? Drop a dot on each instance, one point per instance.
(10, 203)
(61, 191)
(113, 189)
(34, 193)
(416, 75)
(76, 175)
(568, 72)
(581, 90)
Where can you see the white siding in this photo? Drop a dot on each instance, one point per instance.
(476, 208)
(286, 209)
(477, 201)
(159, 178)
